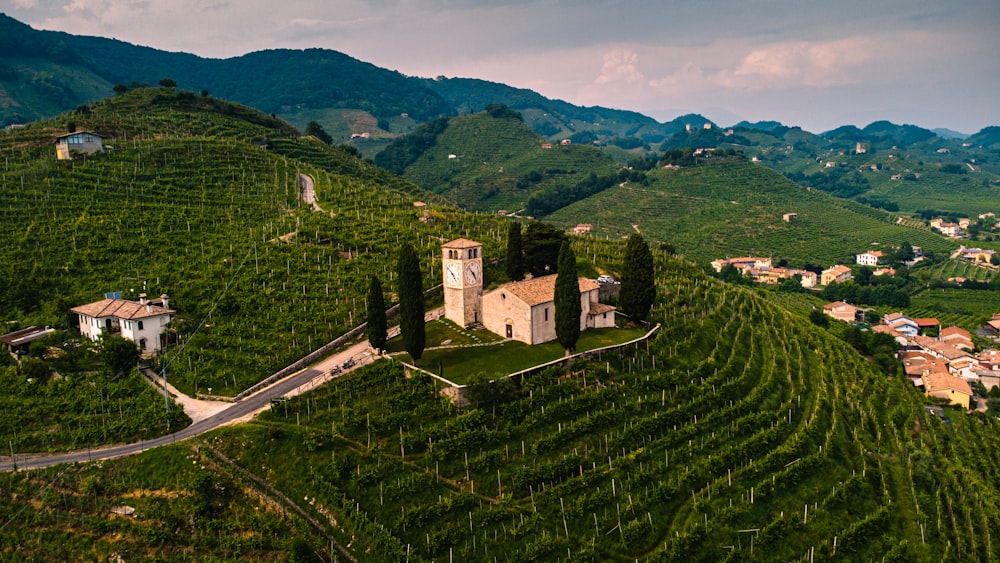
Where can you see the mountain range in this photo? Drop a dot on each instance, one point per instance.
(43, 73)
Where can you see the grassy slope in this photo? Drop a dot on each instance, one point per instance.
(736, 208)
(491, 156)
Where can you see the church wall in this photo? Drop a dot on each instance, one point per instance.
(499, 310)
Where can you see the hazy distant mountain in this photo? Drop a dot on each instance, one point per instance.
(550, 118)
(769, 126)
(949, 133)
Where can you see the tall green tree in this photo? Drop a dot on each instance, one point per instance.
(515, 253)
(378, 326)
(567, 295)
(316, 130)
(411, 303)
(638, 284)
(120, 355)
(541, 245)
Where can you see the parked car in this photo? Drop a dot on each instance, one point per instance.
(605, 279)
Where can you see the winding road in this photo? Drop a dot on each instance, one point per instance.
(299, 382)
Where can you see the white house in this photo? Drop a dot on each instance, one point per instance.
(870, 258)
(143, 322)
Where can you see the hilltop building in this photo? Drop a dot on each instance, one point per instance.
(521, 310)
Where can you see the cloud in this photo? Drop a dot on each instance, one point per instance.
(620, 65)
(800, 63)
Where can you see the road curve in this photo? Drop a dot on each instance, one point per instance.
(237, 410)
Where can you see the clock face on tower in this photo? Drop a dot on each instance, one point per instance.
(472, 273)
(452, 274)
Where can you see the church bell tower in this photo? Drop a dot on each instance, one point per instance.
(462, 261)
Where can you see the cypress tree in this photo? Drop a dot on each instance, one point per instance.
(638, 285)
(567, 296)
(515, 254)
(411, 303)
(377, 325)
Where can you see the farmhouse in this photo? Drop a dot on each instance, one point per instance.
(143, 322)
(790, 217)
(522, 310)
(83, 142)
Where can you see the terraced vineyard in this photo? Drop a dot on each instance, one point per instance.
(741, 432)
(258, 279)
(736, 208)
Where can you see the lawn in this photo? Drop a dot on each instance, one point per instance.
(461, 365)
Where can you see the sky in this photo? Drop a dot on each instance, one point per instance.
(815, 64)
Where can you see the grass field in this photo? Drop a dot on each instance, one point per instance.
(462, 364)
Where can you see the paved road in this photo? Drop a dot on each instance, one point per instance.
(296, 383)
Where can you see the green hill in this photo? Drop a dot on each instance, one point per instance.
(491, 161)
(734, 207)
(740, 431)
(191, 202)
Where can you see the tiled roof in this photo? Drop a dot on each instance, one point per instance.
(542, 289)
(120, 308)
(947, 351)
(955, 331)
(461, 243)
(599, 308)
(938, 381)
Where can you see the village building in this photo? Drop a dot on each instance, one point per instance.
(521, 310)
(743, 263)
(841, 311)
(957, 337)
(790, 217)
(143, 322)
(950, 230)
(871, 258)
(901, 323)
(992, 326)
(977, 255)
(955, 389)
(836, 274)
(82, 142)
(925, 324)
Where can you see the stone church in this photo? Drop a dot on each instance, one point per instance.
(521, 310)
